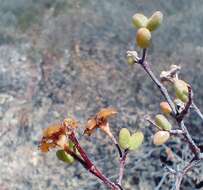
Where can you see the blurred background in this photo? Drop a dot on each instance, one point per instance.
(68, 57)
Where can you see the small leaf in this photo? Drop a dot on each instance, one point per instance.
(63, 156)
(143, 38)
(124, 138)
(161, 137)
(155, 21)
(181, 90)
(139, 20)
(136, 140)
(162, 122)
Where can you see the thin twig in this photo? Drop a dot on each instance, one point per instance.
(172, 132)
(182, 173)
(199, 113)
(122, 166)
(189, 140)
(161, 181)
(117, 146)
(163, 90)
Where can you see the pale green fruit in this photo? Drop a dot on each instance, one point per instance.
(136, 140)
(155, 21)
(139, 20)
(161, 137)
(63, 156)
(162, 122)
(143, 38)
(181, 90)
(124, 138)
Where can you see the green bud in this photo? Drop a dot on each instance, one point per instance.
(139, 20)
(162, 122)
(136, 140)
(63, 156)
(71, 144)
(161, 137)
(124, 138)
(130, 60)
(155, 21)
(143, 38)
(181, 90)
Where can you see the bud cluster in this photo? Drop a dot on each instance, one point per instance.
(145, 26)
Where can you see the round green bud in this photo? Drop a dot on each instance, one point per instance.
(161, 137)
(155, 21)
(136, 140)
(181, 90)
(124, 138)
(162, 122)
(143, 38)
(63, 156)
(139, 20)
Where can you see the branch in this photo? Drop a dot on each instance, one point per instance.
(90, 166)
(190, 141)
(163, 90)
(122, 166)
(199, 113)
(182, 173)
(178, 117)
(161, 181)
(117, 146)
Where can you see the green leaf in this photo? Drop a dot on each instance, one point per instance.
(155, 21)
(136, 140)
(124, 138)
(63, 156)
(139, 20)
(181, 90)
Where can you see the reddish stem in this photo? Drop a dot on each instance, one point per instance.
(90, 166)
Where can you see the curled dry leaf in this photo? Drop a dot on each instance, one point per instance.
(100, 120)
(56, 135)
(105, 113)
(70, 123)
